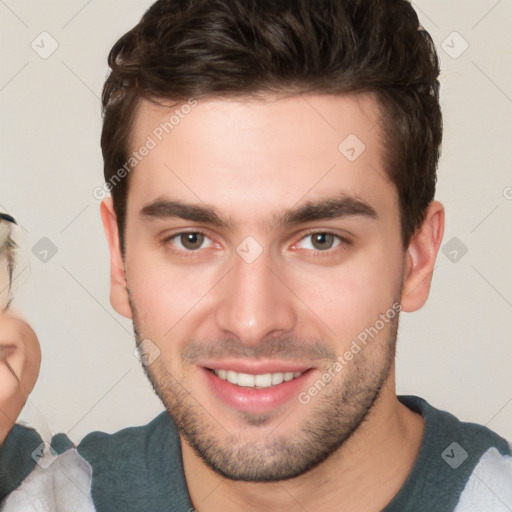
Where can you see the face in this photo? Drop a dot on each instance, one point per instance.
(261, 246)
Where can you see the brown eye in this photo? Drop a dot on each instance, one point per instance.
(188, 243)
(322, 241)
(192, 241)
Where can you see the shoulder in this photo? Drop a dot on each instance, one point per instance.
(489, 487)
(467, 464)
(128, 442)
(444, 429)
(132, 469)
(137, 468)
(117, 458)
(67, 474)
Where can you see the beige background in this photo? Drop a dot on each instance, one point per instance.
(456, 352)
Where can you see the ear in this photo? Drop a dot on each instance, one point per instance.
(118, 286)
(420, 258)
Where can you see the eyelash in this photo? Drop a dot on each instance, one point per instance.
(181, 252)
(344, 242)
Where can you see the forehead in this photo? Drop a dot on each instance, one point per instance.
(248, 155)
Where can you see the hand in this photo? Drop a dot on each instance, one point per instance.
(20, 360)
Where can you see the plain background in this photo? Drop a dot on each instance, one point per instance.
(456, 352)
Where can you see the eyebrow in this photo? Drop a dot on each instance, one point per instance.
(337, 207)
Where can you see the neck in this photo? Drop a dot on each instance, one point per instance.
(364, 474)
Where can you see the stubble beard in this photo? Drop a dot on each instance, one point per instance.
(335, 414)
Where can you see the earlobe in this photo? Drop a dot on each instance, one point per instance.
(118, 286)
(420, 258)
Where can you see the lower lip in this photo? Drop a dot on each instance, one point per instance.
(256, 400)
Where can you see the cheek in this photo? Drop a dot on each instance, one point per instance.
(165, 295)
(172, 301)
(348, 298)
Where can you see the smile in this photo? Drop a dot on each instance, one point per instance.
(264, 380)
(263, 390)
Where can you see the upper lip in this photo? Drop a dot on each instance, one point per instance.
(256, 367)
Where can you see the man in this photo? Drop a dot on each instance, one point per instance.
(272, 167)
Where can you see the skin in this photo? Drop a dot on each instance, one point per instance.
(20, 360)
(250, 161)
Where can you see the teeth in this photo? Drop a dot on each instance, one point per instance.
(277, 378)
(246, 380)
(263, 381)
(231, 376)
(256, 381)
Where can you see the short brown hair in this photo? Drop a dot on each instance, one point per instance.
(225, 48)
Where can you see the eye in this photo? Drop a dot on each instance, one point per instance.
(188, 241)
(322, 241)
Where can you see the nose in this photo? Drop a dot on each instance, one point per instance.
(255, 302)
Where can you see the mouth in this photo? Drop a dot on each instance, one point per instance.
(256, 390)
(259, 381)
